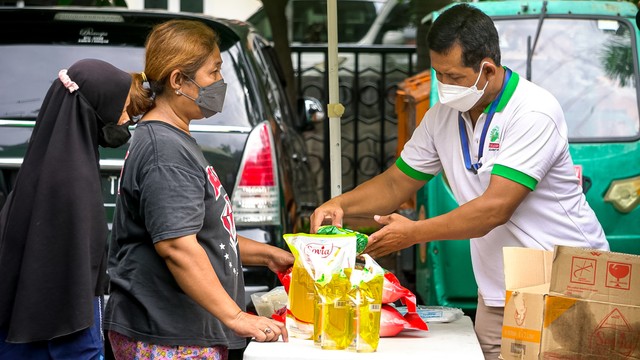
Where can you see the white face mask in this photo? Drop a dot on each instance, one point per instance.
(461, 98)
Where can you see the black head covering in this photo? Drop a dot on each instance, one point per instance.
(53, 227)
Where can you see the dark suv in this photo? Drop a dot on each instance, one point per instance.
(255, 144)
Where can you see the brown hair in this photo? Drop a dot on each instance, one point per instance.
(175, 44)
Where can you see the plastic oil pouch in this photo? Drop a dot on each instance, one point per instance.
(366, 298)
(316, 257)
(333, 311)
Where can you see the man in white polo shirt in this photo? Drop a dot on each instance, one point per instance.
(502, 143)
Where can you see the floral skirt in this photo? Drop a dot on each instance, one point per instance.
(125, 348)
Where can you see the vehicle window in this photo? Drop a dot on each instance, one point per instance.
(588, 66)
(261, 22)
(354, 20)
(29, 70)
(270, 79)
(33, 67)
(401, 21)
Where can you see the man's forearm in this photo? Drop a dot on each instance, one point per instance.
(479, 216)
(381, 195)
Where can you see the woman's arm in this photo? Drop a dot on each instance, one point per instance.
(256, 253)
(190, 266)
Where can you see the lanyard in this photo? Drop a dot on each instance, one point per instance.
(464, 138)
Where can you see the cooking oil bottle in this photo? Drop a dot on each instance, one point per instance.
(334, 323)
(366, 296)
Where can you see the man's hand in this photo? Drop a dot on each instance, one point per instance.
(331, 210)
(397, 233)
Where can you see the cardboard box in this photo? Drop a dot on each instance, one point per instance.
(527, 276)
(539, 324)
(596, 275)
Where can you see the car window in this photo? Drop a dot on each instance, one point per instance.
(588, 66)
(399, 23)
(33, 67)
(260, 21)
(267, 74)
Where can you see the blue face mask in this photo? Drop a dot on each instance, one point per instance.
(210, 98)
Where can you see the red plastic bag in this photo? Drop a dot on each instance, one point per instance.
(392, 322)
(285, 278)
(392, 291)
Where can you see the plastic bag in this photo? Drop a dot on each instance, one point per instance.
(392, 322)
(441, 314)
(393, 291)
(271, 304)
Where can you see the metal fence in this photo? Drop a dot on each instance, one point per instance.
(368, 78)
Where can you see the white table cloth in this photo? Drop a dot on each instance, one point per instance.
(448, 341)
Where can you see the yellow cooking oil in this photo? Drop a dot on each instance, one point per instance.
(317, 321)
(367, 299)
(334, 316)
(301, 295)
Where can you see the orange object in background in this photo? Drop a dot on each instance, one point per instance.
(412, 102)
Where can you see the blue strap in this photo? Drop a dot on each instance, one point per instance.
(464, 137)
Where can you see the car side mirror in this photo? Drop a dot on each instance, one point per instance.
(311, 112)
(393, 37)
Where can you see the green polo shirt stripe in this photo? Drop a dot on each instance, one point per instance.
(514, 175)
(411, 172)
(508, 92)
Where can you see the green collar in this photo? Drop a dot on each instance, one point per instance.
(508, 92)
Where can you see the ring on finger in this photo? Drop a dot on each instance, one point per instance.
(267, 331)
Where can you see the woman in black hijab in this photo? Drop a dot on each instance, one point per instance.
(53, 228)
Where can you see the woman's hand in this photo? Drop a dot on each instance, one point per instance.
(280, 260)
(260, 328)
(260, 254)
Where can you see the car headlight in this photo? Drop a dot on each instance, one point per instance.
(624, 194)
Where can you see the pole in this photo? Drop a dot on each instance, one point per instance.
(334, 108)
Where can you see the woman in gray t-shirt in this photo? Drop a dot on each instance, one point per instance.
(174, 261)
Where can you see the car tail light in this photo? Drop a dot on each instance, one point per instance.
(256, 199)
(624, 194)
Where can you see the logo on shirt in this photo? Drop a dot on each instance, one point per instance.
(226, 216)
(494, 145)
(215, 181)
(228, 222)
